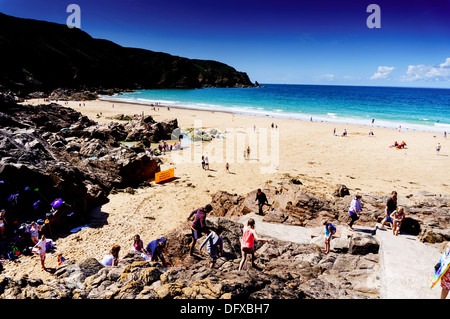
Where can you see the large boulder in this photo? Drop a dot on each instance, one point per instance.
(363, 244)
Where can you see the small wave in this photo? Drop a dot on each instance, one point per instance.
(442, 125)
(423, 124)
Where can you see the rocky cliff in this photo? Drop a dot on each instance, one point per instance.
(49, 152)
(43, 56)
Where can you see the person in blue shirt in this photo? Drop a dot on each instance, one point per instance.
(330, 231)
(155, 250)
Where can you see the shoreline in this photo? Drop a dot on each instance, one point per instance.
(405, 126)
(311, 148)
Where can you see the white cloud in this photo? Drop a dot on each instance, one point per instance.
(350, 77)
(382, 73)
(440, 72)
(446, 64)
(326, 77)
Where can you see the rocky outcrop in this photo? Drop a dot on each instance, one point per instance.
(285, 271)
(49, 152)
(52, 59)
(427, 215)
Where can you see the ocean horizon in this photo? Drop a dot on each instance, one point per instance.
(414, 109)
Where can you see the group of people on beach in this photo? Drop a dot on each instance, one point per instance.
(213, 242)
(393, 215)
(153, 252)
(399, 146)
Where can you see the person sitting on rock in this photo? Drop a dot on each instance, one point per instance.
(397, 217)
(112, 259)
(138, 245)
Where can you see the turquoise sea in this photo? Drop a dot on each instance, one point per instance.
(420, 109)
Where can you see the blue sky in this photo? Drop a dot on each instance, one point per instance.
(293, 42)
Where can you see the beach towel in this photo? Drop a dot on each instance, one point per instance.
(78, 228)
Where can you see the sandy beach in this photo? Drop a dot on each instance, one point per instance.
(308, 151)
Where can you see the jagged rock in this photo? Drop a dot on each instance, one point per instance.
(433, 236)
(363, 244)
(341, 191)
(55, 152)
(286, 270)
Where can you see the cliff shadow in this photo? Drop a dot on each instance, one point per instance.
(96, 218)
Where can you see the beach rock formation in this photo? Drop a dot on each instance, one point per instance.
(427, 215)
(285, 271)
(49, 152)
(53, 60)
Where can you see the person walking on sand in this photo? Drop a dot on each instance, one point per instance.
(198, 225)
(203, 162)
(248, 152)
(330, 231)
(397, 217)
(40, 248)
(248, 242)
(355, 208)
(391, 206)
(438, 148)
(214, 246)
(262, 200)
(227, 167)
(206, 163)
